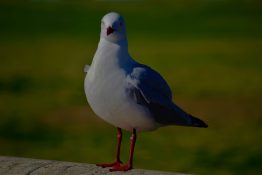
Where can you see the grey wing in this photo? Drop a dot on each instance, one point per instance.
(146, 87)
(153, 86)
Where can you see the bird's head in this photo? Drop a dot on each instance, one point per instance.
(113, 27)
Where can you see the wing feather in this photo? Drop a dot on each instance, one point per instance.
(146, 87)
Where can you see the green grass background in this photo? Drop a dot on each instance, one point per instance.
(210, 52)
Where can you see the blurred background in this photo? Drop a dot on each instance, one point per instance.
(209, 52)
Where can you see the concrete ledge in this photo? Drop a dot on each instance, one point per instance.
(25, 166)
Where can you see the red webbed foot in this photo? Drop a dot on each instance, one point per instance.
(104, 165)
(121, 168)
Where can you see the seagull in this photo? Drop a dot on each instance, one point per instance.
(127, 94)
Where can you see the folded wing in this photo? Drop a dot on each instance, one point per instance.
(147, 88)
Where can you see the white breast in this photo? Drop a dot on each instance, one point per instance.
(105, 86)
(107, 98)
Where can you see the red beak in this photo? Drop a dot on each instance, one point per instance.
(109, 31)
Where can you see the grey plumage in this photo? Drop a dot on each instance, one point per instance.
(147, 88)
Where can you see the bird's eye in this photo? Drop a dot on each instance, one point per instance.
(102, 22)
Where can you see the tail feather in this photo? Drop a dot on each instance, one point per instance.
(174, 116)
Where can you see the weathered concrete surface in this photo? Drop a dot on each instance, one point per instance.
(25, 166)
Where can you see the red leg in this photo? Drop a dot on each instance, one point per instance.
(117, 162)
(129, 165)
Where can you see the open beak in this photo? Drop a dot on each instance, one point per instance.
(109, 30)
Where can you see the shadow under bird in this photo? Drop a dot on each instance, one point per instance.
(127, 94)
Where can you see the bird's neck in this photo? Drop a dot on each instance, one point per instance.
(111, 54)
(121, 45)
